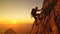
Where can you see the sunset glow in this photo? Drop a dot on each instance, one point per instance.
(14, 22)
(16, 14)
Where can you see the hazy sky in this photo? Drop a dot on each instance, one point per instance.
(18, 9)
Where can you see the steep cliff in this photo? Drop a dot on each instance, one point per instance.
(49, 20)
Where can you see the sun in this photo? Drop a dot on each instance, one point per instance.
(14, 22)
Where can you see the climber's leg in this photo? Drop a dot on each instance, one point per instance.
(37, 15)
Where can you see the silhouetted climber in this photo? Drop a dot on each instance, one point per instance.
(34, 13)
(48, 22)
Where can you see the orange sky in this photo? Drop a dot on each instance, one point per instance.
(18, 9)
(16, 14)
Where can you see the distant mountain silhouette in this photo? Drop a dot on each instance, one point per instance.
(10, 31)
(49, 19)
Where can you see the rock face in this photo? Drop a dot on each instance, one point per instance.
(49, 20)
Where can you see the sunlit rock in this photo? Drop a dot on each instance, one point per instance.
(49, 19)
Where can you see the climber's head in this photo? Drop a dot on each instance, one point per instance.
(36, 7)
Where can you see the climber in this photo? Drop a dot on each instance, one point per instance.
(34, 12)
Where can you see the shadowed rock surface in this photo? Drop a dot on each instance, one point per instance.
(49, 20)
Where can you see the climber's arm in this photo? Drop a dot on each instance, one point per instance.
(39, 10)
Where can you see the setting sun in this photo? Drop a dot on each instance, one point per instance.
(14, 22)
